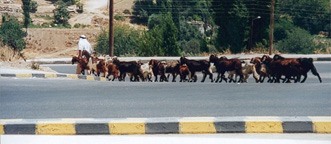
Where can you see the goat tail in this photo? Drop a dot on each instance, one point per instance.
(314, 71)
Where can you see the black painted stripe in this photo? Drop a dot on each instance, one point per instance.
(61, 75)
(97, 129)
(230, 127)
(297, 127)
(82, 77)
(20, 129)
(162, 128)
(8, 75)
(39, 75)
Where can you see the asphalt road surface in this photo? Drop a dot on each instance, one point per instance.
(36, 98)
(324, 68)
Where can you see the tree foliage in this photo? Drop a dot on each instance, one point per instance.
(12, 35)
(161, 40)
(311, 15)
(126, 41)
(61, 14)
(297, 41)
(33, 6)
(26, 12)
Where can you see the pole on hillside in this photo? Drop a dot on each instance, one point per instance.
(111, 28)
(271, 33)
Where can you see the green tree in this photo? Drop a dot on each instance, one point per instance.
(297, 41)
(12, 35)
(233, 20)
(102, 45)
(142, 9)
(161, 40)
(33, 6)
(170, 32)
(26, 12)
(126, 41)
(61, 14)
(153, 20)
(283, 26)
(311, 15)
(151, 42)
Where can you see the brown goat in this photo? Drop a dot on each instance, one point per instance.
(112, 70)
(82, 62)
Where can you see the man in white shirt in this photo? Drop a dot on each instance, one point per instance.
(83, 44)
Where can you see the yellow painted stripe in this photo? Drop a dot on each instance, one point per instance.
(89, 77)
(50, 75)
(264, 127)
(2, 131)
(196, 127)
(127, 128)
(24, 75)
(322, 127)
(55, 129)
(73, 76)
(103, 79)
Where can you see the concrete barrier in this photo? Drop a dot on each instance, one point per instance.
(191, 125)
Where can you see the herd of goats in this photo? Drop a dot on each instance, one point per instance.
(277, 69)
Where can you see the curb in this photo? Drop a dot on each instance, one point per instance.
(52, 75)
(186, 125)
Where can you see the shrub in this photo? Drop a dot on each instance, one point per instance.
(12, 35)
(192, 46)
(119, 17)
(126, 11)
(297, 41)
(33, 6)
(126, 41)
(61, 14)
(80, 7)
(77, 25)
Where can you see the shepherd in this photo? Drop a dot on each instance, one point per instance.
(83, 44)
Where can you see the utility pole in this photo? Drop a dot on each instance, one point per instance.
(271, 33)
(111, 28)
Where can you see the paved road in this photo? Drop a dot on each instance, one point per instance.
(63, 98)
(324, 68)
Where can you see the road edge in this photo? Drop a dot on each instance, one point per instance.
(186, 125)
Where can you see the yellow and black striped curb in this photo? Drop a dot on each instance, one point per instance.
(53, 75)
(195, 125)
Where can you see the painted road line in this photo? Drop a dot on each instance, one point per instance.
(127, 128)
(167, 125)
(264, 127)
(90, 77)
(50, 75)
(322, 127)
(196, 127)
(73, 76)
(2, 131)
(55, 129)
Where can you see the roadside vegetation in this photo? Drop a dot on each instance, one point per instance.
(218, 26)
(195, 27)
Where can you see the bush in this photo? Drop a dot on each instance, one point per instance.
(77, 25)
(192, 46)
(126, 11)
(154, 19)
(33, 6)
(119, 17)
(80, 7)
(61, 14)
(126, 41)
(297, 41)
(12, 35)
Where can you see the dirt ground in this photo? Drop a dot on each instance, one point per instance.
(60, 43)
